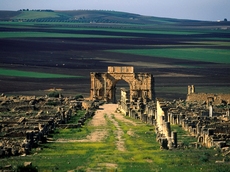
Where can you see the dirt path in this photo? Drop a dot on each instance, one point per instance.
(120, 143)
(109, 111)
(100, 133)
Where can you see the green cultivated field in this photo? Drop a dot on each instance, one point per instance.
(36, 15)
(214, 49)
(51, 35)
(198, 54)
(17, 73)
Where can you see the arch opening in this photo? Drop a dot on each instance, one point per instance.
(118, 86)
(106, 86)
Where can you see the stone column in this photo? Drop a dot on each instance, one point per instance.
(165, 114)
(192, 89)
(227, 112)
(164, 143)
(189, 89)
(210, 111)
(178, 119)
(161, 123)
(172, 118)
(169, 116)
(105, 88)
(168, 129)
(174, 137)
(183, 123)
(94, 87)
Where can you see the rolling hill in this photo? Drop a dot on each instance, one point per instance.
(93, 16)
(178, 52)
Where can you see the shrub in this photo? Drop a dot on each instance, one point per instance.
(205, 157)
(52, 103)
(227, 159)
(224, 168)
(79, 96)
(54, 94)
(26, 169)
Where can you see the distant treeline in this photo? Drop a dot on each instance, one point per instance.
(60, 19)
(95, 16)
(36, 10)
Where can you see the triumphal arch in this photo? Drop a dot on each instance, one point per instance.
(103, 85)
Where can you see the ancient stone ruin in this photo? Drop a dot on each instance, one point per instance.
(26, 121)
(204, 115)
(215, 99)
(103, 85)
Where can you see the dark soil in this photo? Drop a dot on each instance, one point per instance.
(6, 15)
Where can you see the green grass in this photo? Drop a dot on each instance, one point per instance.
(69, 26)
(73, 133)
(197, 54)
(183, 135)
(144, 31)
(66, 26)
(212, 43)
(52, 35)
(123, 29)
(18, 73)
(142, 154)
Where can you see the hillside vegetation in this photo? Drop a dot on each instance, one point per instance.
(88, 16)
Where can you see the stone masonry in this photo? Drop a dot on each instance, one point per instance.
(103, 85)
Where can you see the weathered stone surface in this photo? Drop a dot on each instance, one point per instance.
(26, 164)
(103, 85)
(211, 126)
(208, 98)
(28, 121)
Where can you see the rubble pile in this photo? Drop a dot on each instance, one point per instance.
(26, 121)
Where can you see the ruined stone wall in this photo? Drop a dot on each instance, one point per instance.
(166, 139)
(120, 69)
(203, 97)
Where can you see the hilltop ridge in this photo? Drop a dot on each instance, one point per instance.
(91, 16)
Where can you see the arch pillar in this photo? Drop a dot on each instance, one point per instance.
(103, 85)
